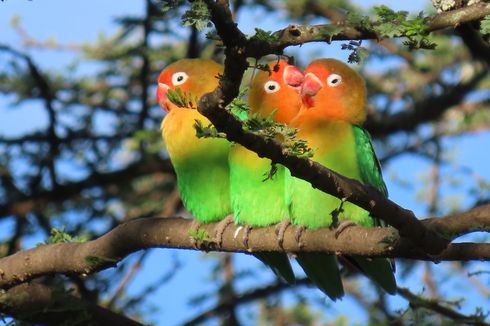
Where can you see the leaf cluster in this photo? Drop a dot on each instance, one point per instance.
(329, 31)
(198, 15)
(390, 23)
(485, 25)
(182, 99)
(60, 236)
(268, 128)
(266, 36)
(208, 131)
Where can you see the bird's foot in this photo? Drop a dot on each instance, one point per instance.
(246, 233)
(193, 231)
(280, 229)
(297, 235)
(220, 229)
(344, 224)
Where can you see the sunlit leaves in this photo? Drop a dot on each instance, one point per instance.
(267, 36)
(390, 23)
(485, 25)
(182, 99)
(198, 16)
(329, 31)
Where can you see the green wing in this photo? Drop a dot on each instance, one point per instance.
(379, 270)
(368, 162)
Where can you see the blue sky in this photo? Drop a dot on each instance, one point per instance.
(83, 21)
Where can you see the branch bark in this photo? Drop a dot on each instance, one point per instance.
(108, 250)
(39, 303)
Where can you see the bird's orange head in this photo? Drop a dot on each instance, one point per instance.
(194, 76)
(277, 89)
(333, 90)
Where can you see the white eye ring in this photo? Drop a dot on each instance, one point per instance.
(179, 78)
(271, 86)
(334, 80)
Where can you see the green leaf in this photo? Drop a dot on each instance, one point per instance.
(386, 14)
(60, 236)
(199, 234)
(198, 16)
(485, 25)
(263, 35)
(390, 23)
(270, 129)
(182, 99)
(329, 31)
(358, 20)
(207, 132)
(238, 106)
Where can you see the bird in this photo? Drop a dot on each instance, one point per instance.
(201, 164)
(258, 200)
(332, 112)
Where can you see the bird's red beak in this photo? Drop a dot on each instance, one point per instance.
(162, 99)
(311, 85)
(293, 76)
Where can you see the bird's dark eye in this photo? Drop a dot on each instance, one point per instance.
(271, 86)
(179, 78)
(334, 80)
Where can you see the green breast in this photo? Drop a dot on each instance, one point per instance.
(201, 165)
(334, 146)
(255, 201)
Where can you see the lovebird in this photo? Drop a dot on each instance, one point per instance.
(334, 102)
(257, 200)
(201, 164)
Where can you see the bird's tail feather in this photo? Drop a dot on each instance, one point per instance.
(378, 269)
(279, 263)
(323, 270)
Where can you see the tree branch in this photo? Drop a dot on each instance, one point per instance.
(40, 303)
(433, 305)
(138, 234)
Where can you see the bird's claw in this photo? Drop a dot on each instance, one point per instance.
(344, 224)
(220, 229)
(246, 233)
(280, 229)
(297, 235)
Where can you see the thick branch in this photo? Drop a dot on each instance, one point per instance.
(138, 234)
(42, 304)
